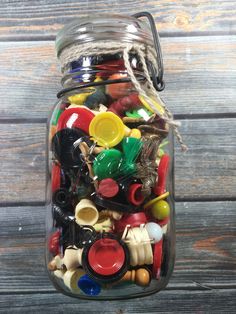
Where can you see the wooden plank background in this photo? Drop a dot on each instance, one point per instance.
(198, 42)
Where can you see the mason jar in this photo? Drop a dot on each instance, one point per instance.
(110, 209)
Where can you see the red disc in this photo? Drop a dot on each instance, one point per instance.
(106, 257)
(56, 177)
(108, 187)
(76, 117)
(157, 259)
(134, 220)
(134, 194)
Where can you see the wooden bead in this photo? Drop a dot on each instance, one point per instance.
(140, 276)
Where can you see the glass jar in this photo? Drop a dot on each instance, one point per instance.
(110, 209)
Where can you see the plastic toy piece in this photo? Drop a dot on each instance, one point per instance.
(131, 148)
(63, 147)
(113, 205)
(139, 245)
(140, 276)
(77, 117)
(61, 218)
(153, 201)
(86, 213)
(124, 104)
(71, 279)
(146, 101)
(56, 177)
(53, 243)
(107, 129)
(132, 220)
(107, 164)
(55, 263)
(154, 231)
(163, 167)
(106, 259)
(108, 187)
(157, 260)
(110, 214)
(79, 99)
(95, 99)
(72, 258)
(135, 194)
(103, 225)
(160, 210)
(89, 286)
(118, 90)
(62, 198)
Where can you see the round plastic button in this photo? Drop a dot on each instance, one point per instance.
(108, 187)
(106, 257)
(75, 118)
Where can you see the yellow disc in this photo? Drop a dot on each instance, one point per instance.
(161, 197)
(159, 108)
(107, 129)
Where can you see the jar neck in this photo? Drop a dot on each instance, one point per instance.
(91, 71)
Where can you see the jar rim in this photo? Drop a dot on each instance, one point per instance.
(104, 27)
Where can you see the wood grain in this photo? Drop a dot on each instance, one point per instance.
(205, 252)
(200, 76)
(206, 171)
(22, 155)
(44, 18)
(180, 301)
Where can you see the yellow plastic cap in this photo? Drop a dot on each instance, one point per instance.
(107, 129)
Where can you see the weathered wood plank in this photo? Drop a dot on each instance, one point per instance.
(44, 18)
(180, 301)
(205, 256)
(22, 155)
(199, 73)
(206, 171)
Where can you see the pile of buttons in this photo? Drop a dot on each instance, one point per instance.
(108, 180)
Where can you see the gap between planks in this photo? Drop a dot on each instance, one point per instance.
(161, 34)
(194, 116)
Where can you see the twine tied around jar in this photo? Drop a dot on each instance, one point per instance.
(144, 52)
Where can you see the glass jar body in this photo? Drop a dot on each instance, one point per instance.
(110, 208)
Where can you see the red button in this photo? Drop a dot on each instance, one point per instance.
(56, 177)
(106, 257)
(75, 118)
(108, 187)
